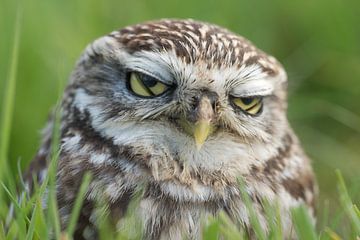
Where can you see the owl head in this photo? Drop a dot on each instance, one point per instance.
(191, 96)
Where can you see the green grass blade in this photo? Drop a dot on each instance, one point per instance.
(274, 220)
(78, 204)
(2, 231)
(106, 229)
(30, 230)
(303, 224)
(332, 235)
(53, 213)
(228, 229)
(20, 215)
(259, 232)
(11, 196)
(13, 231)
(8, 103)
(347, 204)
(20, 212)
(41, 229)
(211, 231)
(357, 210)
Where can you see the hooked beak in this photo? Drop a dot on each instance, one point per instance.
(203, 125)
(201, 132)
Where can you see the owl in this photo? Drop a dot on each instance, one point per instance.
(182, 109)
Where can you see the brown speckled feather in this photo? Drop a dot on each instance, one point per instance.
(129, 142)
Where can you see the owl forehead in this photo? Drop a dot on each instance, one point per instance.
(196, 42)
(167, 67)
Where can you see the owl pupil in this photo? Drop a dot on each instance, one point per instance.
(148, 81)
(247, 101)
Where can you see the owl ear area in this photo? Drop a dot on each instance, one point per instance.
(249, 105)
(145, 86)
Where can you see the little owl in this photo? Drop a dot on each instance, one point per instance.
(182, 109)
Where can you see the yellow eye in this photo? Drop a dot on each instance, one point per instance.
(145, 85)
(251, 105)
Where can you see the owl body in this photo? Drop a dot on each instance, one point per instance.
(181, 109)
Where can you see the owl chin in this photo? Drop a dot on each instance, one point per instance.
(183, 172)
(196, 192)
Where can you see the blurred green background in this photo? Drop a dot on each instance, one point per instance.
(317, 41)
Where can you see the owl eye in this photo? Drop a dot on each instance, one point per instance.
(250, 105)
(145, 85)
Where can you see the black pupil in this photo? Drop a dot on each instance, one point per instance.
(147, 80)
(247, 101)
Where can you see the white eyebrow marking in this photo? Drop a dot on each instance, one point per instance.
(150, 63)
(259, 87)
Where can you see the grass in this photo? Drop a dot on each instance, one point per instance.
(316, 41)
(28, 220)
(8, 104)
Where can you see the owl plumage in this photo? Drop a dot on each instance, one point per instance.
(182, 109)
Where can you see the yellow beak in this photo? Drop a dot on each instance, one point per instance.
(203, 125)
(202, 130)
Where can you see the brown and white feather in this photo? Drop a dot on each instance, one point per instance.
(129, 142)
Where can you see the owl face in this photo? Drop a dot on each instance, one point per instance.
(194, 96)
